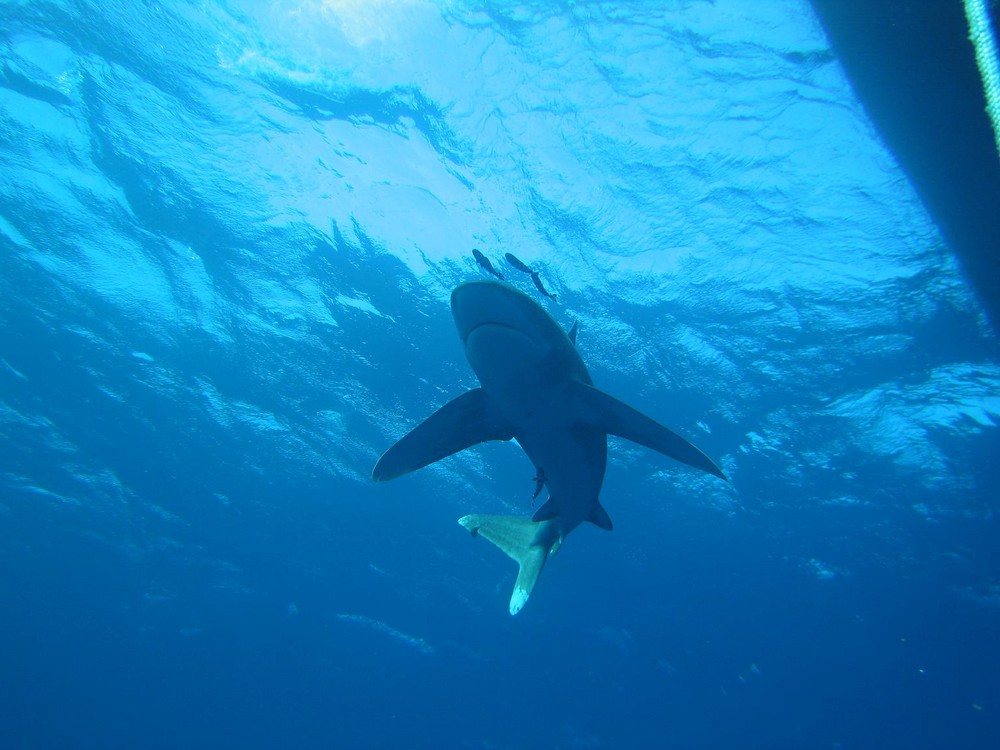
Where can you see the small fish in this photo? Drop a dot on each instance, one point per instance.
(538, 285)
(483, 261)
(518, 264)
(540, 480)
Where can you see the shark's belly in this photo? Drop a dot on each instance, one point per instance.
(537, 400)
(571, 456)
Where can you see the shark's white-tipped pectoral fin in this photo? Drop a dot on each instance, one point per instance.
(618, 418)
(518, 538)
(461, 423)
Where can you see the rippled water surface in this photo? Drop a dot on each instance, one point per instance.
(228, 236)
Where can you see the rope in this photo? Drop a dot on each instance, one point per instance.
(985, 43)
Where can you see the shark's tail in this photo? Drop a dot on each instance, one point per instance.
(527, 542)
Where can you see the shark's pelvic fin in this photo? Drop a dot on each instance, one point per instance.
(545, 511)
(459, 424)
(522, 540)
(599, 517)
(617, 418)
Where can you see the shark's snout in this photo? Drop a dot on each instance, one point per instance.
(486, 303)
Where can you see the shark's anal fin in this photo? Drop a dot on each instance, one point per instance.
(618, 418)
(459, 424)
(523, 541)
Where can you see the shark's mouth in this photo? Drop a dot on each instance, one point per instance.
(489, 324)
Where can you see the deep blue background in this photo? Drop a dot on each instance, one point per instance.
(228, 233)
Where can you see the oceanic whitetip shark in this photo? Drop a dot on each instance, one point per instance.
(534, 388)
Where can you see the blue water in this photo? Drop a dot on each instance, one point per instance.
(228, 235)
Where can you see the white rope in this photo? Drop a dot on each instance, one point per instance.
(983, 39)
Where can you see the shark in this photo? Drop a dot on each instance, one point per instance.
(534, 389)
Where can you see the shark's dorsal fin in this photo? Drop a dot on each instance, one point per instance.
(459, 424)
(572, 332)
(617, 418)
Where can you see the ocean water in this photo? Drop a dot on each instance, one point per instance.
(229, 230)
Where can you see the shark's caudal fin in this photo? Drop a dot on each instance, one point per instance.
(618, 418)
(521, 539)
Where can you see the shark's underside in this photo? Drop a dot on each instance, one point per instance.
(535, 388)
